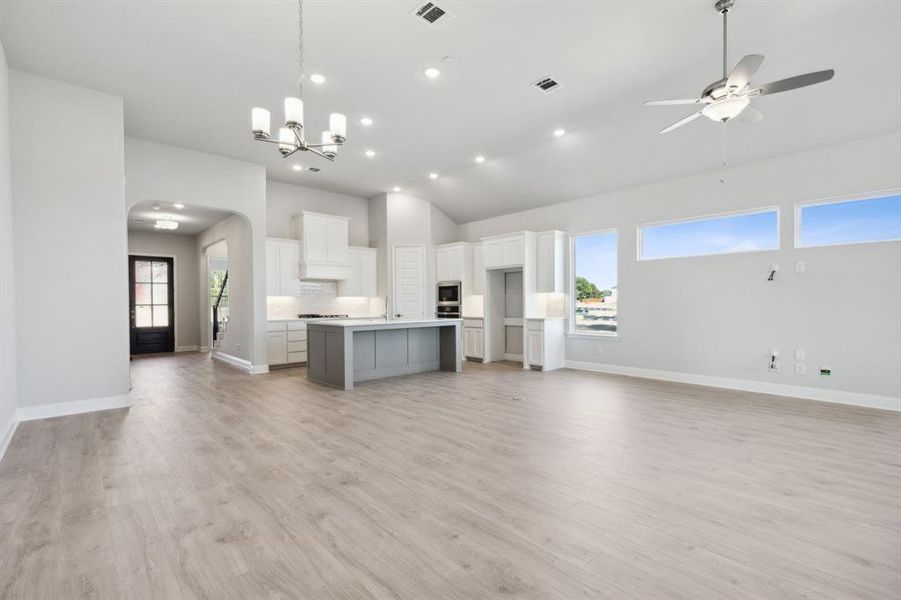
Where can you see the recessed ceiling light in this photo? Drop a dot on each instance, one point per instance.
(166, 224)
(366, 121)
(559, 132)
(480, 159)
(179, 205)
(156, 207)
(317, 78)
(432, 72)
(297, 167)
(396, 188)
(433, 175)
(370, 153)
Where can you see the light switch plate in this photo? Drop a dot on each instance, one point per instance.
(800, 369)
(800, 354)
(800, 266)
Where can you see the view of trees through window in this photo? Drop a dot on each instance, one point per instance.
(595, 284)
(216, 279)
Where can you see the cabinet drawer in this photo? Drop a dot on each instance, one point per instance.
(297, 336)
(275, 326)
(473, 323)
(296, 326)
(297, 346)
(297, 357)
(532, 325)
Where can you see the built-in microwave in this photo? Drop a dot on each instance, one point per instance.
(449, 293)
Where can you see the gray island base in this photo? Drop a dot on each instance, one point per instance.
(340, 353)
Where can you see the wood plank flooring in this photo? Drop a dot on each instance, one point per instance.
(494, 483)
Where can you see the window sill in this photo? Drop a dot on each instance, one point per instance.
(593, 336)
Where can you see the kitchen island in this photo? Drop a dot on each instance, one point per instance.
(340, 353)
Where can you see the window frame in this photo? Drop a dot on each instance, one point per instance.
(571, 310)
(845, 198)
(639, 234)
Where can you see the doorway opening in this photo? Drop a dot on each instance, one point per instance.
(218, 299)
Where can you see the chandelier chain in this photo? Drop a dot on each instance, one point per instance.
(300, 47)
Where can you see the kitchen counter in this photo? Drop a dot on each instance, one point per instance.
(342, 352)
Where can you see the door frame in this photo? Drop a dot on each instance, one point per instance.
(173, 296)
(424, 279)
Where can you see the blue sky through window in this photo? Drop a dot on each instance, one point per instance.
(596, 259)
(872, 220)
(717, 235)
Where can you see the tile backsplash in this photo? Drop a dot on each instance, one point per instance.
(321, 297)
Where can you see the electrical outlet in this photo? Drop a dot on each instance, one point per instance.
(800, 369)
(800, 266)
(598, 350)
(800, 354)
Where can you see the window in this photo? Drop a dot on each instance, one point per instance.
(151, 293)
(850, 222)
(746, 232)
(594, 265)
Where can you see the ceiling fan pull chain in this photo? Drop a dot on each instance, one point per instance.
(724, 146)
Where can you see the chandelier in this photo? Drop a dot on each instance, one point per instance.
(291, 137)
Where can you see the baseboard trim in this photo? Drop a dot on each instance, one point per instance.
(744, 385)
(194, 348)
(204, 348)
(259, 369)
(10, 432)
(61, 409)
(233, 361)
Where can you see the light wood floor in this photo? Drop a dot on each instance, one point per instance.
(495, 483)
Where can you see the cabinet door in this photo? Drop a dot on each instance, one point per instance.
(545, 263)
(337, 241)
(478, 271)
(535, 348)
(454, 264)
(289, 268)
(368, 274)
(478, 343)
(277, 348)
(467, 342)
(315, 238)
(272, 262)
(493, 251)
(351, 285)
(442, 264)
(514, 251)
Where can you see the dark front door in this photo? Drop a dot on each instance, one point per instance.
(151, 297)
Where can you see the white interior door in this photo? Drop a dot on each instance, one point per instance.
(409, 281)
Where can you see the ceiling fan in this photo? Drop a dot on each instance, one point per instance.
(730, 97)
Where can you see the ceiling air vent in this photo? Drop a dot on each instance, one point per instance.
(547, 85)
(314, 169)
(432, 14)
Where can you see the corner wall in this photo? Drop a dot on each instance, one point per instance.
(8, 394)
(69, 224)
(714, 318)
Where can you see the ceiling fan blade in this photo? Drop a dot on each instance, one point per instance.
(793, 83)
(743, 72)
(750, 115)
(674, 102)
(678, 124)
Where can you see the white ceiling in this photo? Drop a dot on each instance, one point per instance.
(191, 219)
(191, 70)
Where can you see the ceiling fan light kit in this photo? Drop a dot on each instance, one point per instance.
(291, 137)
(730, 97)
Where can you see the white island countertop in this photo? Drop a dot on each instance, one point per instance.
(383, 323)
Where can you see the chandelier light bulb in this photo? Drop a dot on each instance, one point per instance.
(259, 118)
(337, 124)
(328, 148)
(293, 112)
(286, 140)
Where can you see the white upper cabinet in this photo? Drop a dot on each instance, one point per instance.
(282, 267)
(450, 260)
(506, 251)
(550, 263)
(478, 270)
(363, 276)
(324, 246)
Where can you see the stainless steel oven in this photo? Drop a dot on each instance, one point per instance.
(450, 298)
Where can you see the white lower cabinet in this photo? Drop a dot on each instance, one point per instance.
(287, 342)
(473, 338)
(546, 343)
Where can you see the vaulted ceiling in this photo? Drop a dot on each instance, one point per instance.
(191, 70)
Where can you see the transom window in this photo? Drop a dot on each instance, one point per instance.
(850, 221)
(744, 232)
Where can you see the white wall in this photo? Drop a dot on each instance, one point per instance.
(8, 399)
(718, 316)
(183, 248)
(71, 254)
(284, 201)
(170, 174)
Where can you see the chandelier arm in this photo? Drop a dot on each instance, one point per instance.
(318, 153)
(324, 145)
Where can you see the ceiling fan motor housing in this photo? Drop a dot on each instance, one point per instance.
(723, 6)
